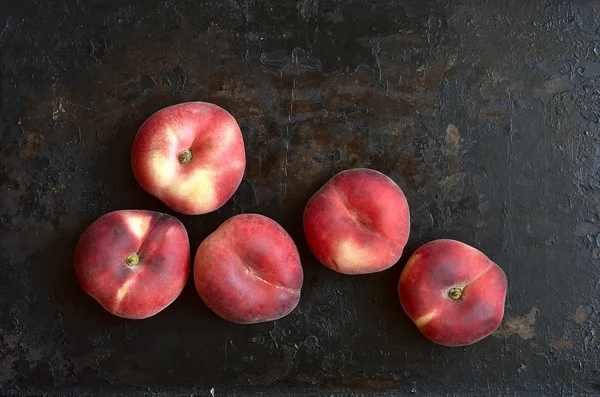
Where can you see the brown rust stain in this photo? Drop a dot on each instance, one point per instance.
(34, 355)
(585, 228)
(492, 89)
(30, 143)
(521, 326)
(8, 367)
(11, 340)
(452, 182)
(556, 84)
(452, 138)
(562, 343)
(581, 314)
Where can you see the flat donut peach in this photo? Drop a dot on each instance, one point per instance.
(453, 292)
(190, 156)
(133, 262)
(358, 222)
(248, 270)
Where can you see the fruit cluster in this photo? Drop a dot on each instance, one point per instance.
(191, 156)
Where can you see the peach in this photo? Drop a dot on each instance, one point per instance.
(358, 222)
(190, 156)
(248, 270)
(453, 292)
(134, 263)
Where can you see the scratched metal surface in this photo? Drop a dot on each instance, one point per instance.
(485, 113)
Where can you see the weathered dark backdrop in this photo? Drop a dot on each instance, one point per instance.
(485, 112)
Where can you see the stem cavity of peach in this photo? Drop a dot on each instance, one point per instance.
(455, 293)
(132, 260)
(185, 156)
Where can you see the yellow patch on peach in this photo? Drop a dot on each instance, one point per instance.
(405, 272)
(123, 291)
(170, 135)
(421, 321)
(197, 187)
(138, 224)
(163, 168)
(351, 257)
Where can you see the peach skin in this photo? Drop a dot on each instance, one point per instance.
(134, 263)
(190, 156)
(453, 293)
(358, 222)
(248, 270)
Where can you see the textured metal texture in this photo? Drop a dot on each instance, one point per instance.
(485, 113)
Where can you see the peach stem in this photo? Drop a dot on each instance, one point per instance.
(185, 156)
(132, 260)
(455, 293)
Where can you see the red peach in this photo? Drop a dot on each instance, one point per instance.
(190, 156)
(134, 263)
(358, 222)
(453, 292)
(248, 270)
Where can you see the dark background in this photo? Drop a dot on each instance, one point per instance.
(485, 113)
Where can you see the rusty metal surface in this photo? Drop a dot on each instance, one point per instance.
(485, 113)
